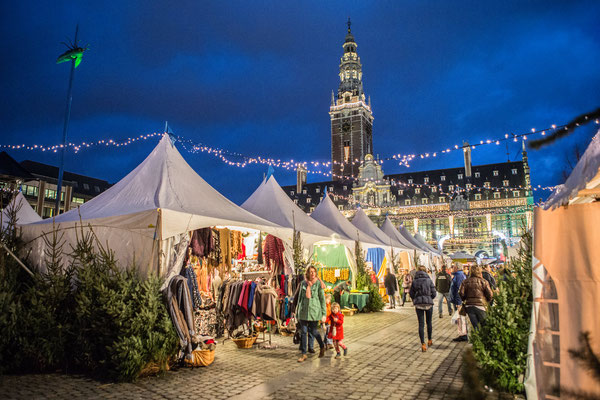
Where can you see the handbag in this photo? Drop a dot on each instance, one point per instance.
(297, 336)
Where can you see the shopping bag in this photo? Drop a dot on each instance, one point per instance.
(462, 310)
(462, 326)
(455, 317)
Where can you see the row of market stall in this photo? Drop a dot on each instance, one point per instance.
(150, 216)
(235, 263)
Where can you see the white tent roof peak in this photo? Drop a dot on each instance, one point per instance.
(364, 223)
(388, 228)
(164, 180)
(328, 214)
(422, 240)
(24, 212)
(269, 201)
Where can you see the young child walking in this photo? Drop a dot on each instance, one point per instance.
(336, 332)
(327, 325)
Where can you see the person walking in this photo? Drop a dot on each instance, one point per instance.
(336, 332)
(311, 309)
(442, 285)
(458, 276)
(391, 287)
(406, 284)
(486, 274)
(422, 292)
(476, 294)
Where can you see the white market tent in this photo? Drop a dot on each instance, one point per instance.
(426, 245)
(566, 282)
(270, 202)
(24, 212)
(147, 215)
(424, 256)
(389, 229)
(327, 214)
(364, 223)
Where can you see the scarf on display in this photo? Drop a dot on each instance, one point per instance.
(308, 286)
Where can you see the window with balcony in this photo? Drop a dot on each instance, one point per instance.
(407, 202)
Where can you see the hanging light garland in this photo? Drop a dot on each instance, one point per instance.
(226, 156)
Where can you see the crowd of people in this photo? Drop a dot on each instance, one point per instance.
(466, 290)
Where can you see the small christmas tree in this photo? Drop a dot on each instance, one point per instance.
(500, 344)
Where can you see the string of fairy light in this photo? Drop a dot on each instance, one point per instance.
(312, 167)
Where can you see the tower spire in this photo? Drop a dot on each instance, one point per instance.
(349, 23)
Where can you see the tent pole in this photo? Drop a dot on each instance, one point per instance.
(159, 226)
(19, 261)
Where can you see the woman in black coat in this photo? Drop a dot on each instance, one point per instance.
(422, 291)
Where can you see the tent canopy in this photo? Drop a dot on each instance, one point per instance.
(404, 232)
(426, 245)
(162, 198)
(388, 228)
(327, 214)
(269, 201)
(364, 223)
(24, 212)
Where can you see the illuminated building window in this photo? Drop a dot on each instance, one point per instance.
(451, 188)
(496, 195)
(345, 187)
(417, 190)
(460, 176)
(340, 207)
(312, 209)
(308, 199)
(410, 181)
(514, 171)
(407, 202)
(495, 172)
(426, 180)
(477, 196)
(296, 201)
(317, 190)
(443, 178)
(292, 193)
(469, 186)
(442, 199)
(346, 150)
(486, 185)
(515, 193)
(86, 186)
(401, 191)
(505, 182)
(434, 189)
(77, 200)
(477, 174)
(424, 200)
(303, 191)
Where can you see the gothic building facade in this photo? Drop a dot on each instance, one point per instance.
(473, 208)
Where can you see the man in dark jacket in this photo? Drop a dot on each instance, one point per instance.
(442, 285)
(391, 286)
(487, 275)
(458, 276)
(422, 292)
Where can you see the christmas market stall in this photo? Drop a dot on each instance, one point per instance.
(566, 286)
(164, 219)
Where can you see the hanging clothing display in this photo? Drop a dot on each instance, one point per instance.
(192, 282)
(225, 245)
(273, 253)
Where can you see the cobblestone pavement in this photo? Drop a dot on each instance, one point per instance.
(384, 362)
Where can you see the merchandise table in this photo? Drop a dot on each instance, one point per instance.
(357, 299)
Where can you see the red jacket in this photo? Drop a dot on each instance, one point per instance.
(339, 326)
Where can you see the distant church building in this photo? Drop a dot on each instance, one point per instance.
(474, 208)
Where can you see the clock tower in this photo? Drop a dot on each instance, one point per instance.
(351, 116)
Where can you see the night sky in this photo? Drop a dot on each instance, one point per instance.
(256, 78)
